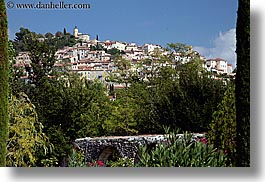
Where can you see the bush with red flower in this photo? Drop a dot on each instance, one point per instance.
(98, 163)
(203, 140)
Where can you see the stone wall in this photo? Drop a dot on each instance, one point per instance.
(100, 148)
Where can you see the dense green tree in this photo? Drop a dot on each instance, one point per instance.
(243, 83)
(48, 99)
(184, 97)
(39, 35)
(59, 40)
(121, 119)
(145, 112)
(87, 108)
(114, 52)
(21, 35)
(16, 84)
(70, 108)
(222, 129)
(48, 35)
(4, 83)
(26, 137)
(42, 60)
(97, 47)
(19, 41)
(59, 34)
(198, 97)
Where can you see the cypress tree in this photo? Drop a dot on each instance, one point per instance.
(3, 84)
(243, 83)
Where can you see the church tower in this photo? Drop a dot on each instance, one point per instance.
(76, 32)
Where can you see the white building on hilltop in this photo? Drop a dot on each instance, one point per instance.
(217, 65)
(118, 45)
(81, 36)
(149, 48)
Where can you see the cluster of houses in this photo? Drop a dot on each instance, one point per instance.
(98, 64)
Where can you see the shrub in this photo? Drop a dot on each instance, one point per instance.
(121, 162)
(182, 152)
(76, 159)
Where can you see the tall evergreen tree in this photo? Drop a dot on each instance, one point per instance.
(3, 83)
(64, 31)
(243, 83)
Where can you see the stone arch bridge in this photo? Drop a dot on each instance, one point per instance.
(100, 148)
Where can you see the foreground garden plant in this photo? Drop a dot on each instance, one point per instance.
(182, 152)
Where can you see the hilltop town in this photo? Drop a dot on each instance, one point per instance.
(94, 59)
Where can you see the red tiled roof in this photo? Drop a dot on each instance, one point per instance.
(108, 43)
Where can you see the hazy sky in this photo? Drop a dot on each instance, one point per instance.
(207, 25)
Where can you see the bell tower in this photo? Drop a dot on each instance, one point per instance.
(76, 32)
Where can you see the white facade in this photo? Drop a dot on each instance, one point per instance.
(93, 74)
(229, 69)
(221, 65)
(132, 47)
(84, 37)
(119, 45)
(217, 65)
(148, 48)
